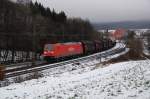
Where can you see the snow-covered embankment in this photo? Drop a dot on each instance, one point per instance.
(121, 80)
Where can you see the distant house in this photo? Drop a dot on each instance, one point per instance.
(118, 34)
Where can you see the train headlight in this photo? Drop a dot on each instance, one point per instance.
(45, 52)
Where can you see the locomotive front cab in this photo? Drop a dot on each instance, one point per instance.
(49, 52)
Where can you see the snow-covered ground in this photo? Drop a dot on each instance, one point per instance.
(145, 45)
(126, 80)
(19, 55)
(145, 51)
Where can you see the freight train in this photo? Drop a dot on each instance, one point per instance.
(57, 51)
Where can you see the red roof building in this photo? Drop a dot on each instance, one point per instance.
(118, 34)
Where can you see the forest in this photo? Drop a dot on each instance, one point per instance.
(24, 29)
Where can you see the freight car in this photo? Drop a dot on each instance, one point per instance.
(53, 52)
(98, 46)
(88, 47)
(107, 43)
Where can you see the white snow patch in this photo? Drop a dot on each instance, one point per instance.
(126, 80)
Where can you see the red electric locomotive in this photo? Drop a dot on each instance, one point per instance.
(53, 52)
(61, 50)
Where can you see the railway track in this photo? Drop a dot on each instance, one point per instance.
(28, 68)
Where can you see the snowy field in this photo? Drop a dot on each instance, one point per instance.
(126, 80)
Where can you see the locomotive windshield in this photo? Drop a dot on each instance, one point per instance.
(48, 47)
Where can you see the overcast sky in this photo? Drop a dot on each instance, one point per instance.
(102, 10)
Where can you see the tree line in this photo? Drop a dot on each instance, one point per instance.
(28, 28)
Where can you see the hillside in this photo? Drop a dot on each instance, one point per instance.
(128, 80)
(123, 24)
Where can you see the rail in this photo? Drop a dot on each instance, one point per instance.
(23, 70)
